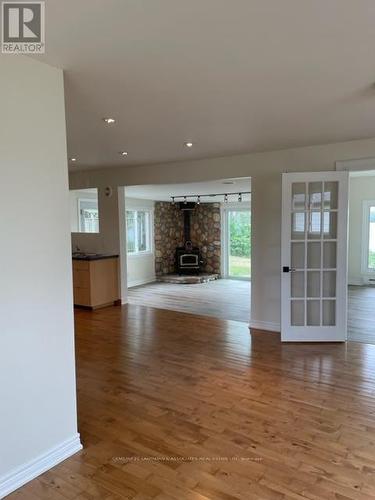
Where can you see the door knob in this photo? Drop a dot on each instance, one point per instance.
(287, 269)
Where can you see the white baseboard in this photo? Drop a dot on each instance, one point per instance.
(25, 473)
(356, 281)
(265, 325)
(141, 282)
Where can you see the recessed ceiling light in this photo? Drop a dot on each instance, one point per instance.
(189, 144)
(109, 121)
(123, 153)
(73, 159)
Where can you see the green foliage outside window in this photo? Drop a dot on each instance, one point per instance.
(240, 234)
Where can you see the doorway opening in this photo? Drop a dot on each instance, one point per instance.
(188, 247)
(237, 242)
(361, 257)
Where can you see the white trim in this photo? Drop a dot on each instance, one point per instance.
(356, 281)
(25, 473)
(267, 326)
(141, 282)
(356, 164)
(138, 255)
(123, 244)
(365, 236)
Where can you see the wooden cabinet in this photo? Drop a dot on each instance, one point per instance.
(96, 282)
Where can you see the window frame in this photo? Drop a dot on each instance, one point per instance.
(149, 231)
(87, 200)
(366, 207)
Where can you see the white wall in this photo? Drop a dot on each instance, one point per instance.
(265, 171)
(141, 268)
(37, 367)
(361, 188)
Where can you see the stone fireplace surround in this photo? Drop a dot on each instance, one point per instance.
(169, 234)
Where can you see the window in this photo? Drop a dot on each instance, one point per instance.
(88, 216)
(84, 210)
(314, 223)
(371, 240)
(138, 229)
(368, 254)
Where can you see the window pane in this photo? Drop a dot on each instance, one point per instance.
(84, 210)
(329, 254)
(331, 191)
(298, 226)
(89, 216)
(313, 284)
(130, 228)
(298, 255)
(314, 230)
(315, 195)
(330, 225)
(239, 229)
(298, 196)
(297, 284)
(313, 255)
(329, 312)
(313, 313)
(297, 312)
(142, 231)
(371, 240)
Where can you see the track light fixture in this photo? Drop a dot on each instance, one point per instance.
(198, 197)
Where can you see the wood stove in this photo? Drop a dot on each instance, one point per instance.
(188, 257)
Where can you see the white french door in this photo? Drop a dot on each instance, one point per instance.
(314, 257)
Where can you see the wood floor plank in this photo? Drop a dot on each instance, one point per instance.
(361, 314)
(174, 406)
(223, 298)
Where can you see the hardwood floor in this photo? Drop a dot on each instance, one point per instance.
(223, 299)
(361, 314)
(263, 420)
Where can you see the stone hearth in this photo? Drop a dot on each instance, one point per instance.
(169, 234)
(188, 279)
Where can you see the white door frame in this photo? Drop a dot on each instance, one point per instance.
(225, 209)
(338, 332)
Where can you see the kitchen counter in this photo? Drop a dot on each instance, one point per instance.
(96, 279)
(94, 256)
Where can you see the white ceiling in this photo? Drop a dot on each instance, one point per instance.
(163, 192)
(231, 76)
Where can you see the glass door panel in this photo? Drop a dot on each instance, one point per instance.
(239, 243)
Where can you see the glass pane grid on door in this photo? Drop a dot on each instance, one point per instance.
(314, 214)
